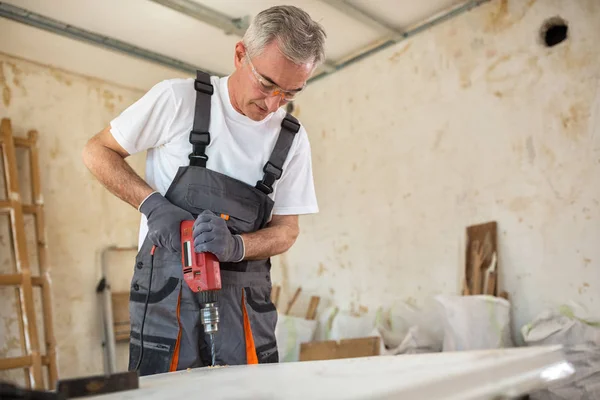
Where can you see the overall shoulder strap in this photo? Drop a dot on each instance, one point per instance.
(274, 167)
(199, 136)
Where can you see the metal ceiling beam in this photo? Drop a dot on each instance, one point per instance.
(27, 17)
(356, 13)
(392, 40)
(236, 26)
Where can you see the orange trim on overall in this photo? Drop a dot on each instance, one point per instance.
(251, 357)
(175, 359)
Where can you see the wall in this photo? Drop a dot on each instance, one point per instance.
(471, 121)
(82, 218)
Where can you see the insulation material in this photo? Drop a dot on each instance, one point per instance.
(290, 333)
(403, 328)
(578, 331)
(411, 330)
(475, 322)
(348, 326)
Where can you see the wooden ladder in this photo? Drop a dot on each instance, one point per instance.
(32, 360)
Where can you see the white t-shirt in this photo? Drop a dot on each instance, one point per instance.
(161, 120)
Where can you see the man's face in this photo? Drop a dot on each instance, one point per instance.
(264, 89)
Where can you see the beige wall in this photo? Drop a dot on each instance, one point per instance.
(471, 121)
(82, 218)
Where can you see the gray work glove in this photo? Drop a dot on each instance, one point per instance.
(211, 235)
(164, 221)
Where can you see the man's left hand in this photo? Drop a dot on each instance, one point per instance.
(211, 235)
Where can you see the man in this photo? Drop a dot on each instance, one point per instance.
(221, 152)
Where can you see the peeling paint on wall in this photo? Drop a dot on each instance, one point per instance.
(5, 88)
(476, 121)
(506, 14)
(60, 106)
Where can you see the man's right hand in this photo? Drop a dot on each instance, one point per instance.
(164, 221)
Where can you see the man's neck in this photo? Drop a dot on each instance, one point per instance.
(231, 85)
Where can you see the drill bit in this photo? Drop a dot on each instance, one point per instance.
(212, 348)
(210, 320)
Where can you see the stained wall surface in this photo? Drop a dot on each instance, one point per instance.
(472, 121)
(82, 218)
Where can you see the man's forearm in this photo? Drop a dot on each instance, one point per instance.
(111, 169)
(268, 242)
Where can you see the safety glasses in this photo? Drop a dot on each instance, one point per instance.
(268, 88)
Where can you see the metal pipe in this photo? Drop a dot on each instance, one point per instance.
(236, 26)
(405, 35)
(110, 353)
(356, 13)
(214, 18)
(27, 17)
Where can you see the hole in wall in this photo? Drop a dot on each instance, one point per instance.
(554, 31)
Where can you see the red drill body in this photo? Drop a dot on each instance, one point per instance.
(202, 273)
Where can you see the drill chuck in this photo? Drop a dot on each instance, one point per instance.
(209, 316)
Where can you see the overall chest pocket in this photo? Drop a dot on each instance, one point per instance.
(243, 213)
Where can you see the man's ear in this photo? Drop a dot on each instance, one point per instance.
(240, 52)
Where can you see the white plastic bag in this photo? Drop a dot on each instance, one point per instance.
(475, 322)
(347, 326)
(572, 326)
(290, 333)
(409, 330)
(396, 324)
(325, 319)
(337, 325)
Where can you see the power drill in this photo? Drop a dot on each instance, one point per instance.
(202, 273)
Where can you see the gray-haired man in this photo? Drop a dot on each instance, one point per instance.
(216, 147)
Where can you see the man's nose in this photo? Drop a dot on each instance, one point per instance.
(273, 102)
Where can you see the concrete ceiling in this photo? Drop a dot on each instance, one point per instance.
(155, 27)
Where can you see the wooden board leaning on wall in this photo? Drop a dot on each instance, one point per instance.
(481, 260)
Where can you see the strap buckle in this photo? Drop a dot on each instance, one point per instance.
(272, 173)
(203, 87)
(200, 138)
(193, 157)
(272, 169)
(290, 124)
(260, 185)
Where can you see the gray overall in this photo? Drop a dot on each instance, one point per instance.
(173, 337)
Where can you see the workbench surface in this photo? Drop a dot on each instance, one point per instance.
(452, 375)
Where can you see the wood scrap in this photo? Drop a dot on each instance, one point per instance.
(292, 301)
(275, 292)
(465, 291)
(120, 311)
(311, 313)
(491, 284)
(490, 278)
(481, 246)
(477, 257)
(345, 348)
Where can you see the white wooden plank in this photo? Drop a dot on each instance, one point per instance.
(449, 376)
